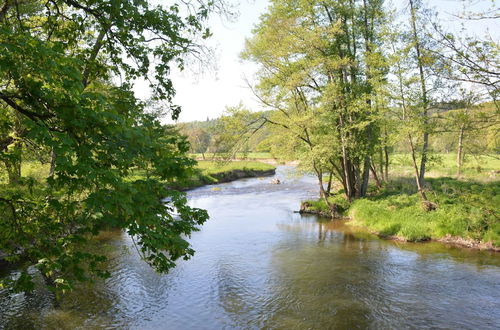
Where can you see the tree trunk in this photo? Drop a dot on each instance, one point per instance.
(13, 164)
(366, 177)
(381, 163)
(52, 162)
(386, 152)
(329, 186)
(357, 180)
(423, 161)
(425, 101)
(460, 149)
(368, 36)
(13, 168)
(415, 166)
(375, 176)
(347, 174)
(323, 194)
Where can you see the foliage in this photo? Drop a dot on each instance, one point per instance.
(237, 132)
(59, 61)
(320, 70)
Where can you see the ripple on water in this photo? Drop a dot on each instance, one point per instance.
(259, 265)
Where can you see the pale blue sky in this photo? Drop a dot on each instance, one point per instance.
(207, 95)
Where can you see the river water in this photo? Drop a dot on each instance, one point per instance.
(260, 265)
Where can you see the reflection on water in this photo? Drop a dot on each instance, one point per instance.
(259, 265)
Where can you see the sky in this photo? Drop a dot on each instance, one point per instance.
(206, 94)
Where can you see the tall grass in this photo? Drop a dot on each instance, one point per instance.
(465, 209)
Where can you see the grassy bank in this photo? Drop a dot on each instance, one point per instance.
(211, 172)
(205, 172)
(238, 155)
(466, 209)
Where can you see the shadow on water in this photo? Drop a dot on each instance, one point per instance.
(259, 265)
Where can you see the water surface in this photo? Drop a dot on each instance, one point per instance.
(260, 265)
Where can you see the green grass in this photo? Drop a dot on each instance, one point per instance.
(320, 204)
(475, 167)
(211, 172)
(466, 209)
(240, 155)
(213, 167)
(205, 172)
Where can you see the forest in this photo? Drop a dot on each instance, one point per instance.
(369, 99)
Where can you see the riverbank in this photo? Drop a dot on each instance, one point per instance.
(211, 172)
(467, 213)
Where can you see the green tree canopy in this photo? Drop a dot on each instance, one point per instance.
(66, 70)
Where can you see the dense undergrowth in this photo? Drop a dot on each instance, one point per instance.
(466, 209)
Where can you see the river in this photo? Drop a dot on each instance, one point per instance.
(260, 265)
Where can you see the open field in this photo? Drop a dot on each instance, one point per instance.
(481, 168)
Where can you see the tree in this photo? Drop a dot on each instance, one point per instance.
(199, 139)
(321, 69)
(233, 131)
(414, 83)
(59, 64)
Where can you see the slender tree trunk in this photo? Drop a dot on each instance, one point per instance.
(415, 166)
(320, 183)
(368, 36)
(460, 149)
(365, 177)
(425, 101)
(381, 163)
(323, 194)
(13, 164)
(357, 180)
(423, 161)
(13, 168)
(386, 152)
(52, 162)
(375, 176)
(347, 174)
(329, 186)
(341, 174)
